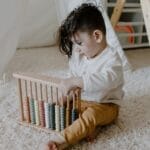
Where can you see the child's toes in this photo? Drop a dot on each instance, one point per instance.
(54, 147)
(51, 146)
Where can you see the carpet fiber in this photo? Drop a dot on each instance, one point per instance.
(131, 132)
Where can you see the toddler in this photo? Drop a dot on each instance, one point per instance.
(95, 67)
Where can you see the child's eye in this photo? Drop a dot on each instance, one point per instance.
(79, 43)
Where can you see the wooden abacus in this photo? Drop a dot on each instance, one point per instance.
(40, 104)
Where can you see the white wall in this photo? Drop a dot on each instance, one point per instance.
(10, 23)
(40, 24)
(25, 23)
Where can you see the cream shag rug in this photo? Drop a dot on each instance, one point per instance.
(132, 132)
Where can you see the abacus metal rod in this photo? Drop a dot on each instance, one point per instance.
(46, 92)
(26, 91)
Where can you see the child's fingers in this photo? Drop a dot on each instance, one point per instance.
(51, 146)
(62, 100)
(63, 97)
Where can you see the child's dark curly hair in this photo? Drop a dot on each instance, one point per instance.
(85, 18)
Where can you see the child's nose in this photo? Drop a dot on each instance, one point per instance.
(77, 49)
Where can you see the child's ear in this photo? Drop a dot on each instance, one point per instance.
(98, 35)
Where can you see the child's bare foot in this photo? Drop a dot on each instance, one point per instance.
(51, 146)
(56, 142)
(90, 138)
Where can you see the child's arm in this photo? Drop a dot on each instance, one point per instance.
(102, 81)
(71, 83)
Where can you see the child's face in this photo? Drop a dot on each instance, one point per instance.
(87, 44)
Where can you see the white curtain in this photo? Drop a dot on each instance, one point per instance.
(11, 12)
(64, 7)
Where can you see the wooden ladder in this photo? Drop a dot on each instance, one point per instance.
(145, 4)
(117, 11)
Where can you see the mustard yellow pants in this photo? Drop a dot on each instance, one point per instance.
(93, 114)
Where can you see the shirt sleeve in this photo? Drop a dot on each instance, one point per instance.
(72, 71)
(110, 77)
(73, 61)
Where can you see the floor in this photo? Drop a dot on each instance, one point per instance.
(132, 132)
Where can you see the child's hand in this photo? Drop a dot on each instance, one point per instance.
(68, 84)
(62, 100)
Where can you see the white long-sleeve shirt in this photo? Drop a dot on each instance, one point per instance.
(102, 75)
